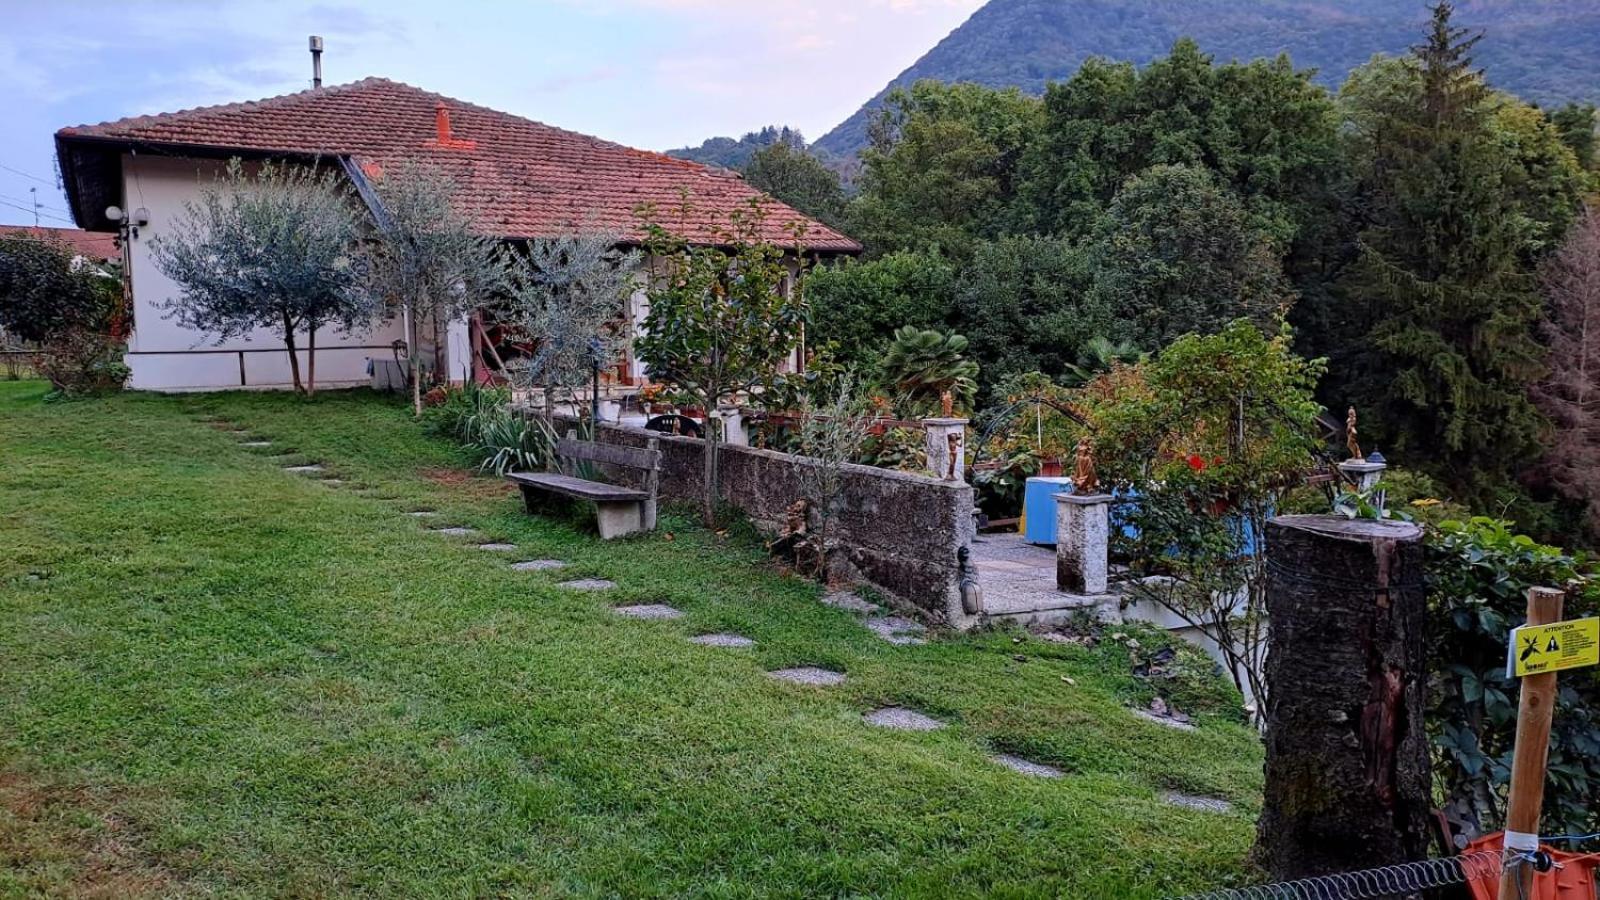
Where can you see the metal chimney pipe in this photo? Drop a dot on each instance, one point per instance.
(316, 61)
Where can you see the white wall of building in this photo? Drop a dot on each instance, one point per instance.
(165, 356)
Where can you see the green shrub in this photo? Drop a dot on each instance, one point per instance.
(481, 420)
(79, 362)
(1478, 575)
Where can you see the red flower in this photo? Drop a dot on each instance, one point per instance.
(1217, 461)
(1196, 463)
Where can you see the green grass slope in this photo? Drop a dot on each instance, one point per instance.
(217, 677)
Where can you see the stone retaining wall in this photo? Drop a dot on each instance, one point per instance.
(901, 532)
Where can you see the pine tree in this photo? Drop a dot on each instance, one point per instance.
(1441, 284)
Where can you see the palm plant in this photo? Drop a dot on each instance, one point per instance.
(923, 365)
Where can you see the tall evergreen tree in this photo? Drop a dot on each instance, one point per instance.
(1444, 302)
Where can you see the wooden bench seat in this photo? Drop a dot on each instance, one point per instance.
(618, 510)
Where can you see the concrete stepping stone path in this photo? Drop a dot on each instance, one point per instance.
(589, 584)
(453, 531)
(722, 640)
(809, 675)
(648, 611)
(896, 630)
(1191, 801)
(848, 600)
(255, 443)
(308, 469)
(537, 565)
(902, 719)
(422, 513)
(1026, 767)
(497, 547)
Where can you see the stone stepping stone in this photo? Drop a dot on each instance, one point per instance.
(497, 547)
(722, 640)
(422, 513)
(901, 719)
(648, 611)
(848, 600)
(809, 675)
(333, 481)
(453, 531)
(1027, 767)
(588, 584)
(896, 630)
(309, 469)
(537, 565)
(255, 443)
(1165, 720)
(1191, 801)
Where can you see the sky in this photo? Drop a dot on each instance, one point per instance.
(654, 74)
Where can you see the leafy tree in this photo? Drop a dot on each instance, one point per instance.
(1177, 253)
(923, 365)
(722, 318)
(1024, 304)
(273, 250)
(1570, 394)
(570, 294)
(428, 259)
(46, 292)
(942, 168)
(799, 179)
(735, 154)
(1266, 131)
(1209, 435)
(1575, 122)
(857, 306)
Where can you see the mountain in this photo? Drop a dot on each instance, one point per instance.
(1542, 50)
(733, 154)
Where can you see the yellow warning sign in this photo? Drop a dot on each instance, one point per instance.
(1551, 648)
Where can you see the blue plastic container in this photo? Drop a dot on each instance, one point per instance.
(1039, 506)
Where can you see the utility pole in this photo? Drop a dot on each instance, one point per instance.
(1532, 752)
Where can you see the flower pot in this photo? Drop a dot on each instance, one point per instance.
(1050, 467)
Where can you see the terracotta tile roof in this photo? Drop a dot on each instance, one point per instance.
(522, 178)
(88, 244)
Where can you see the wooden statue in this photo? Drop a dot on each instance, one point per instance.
(1350, 436)
(1084, 479)
(947, 405)
(953, 441)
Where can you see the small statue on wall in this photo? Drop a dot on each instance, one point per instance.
(953, 441)
(1350, 435)
(947, 405)
(1084, 479)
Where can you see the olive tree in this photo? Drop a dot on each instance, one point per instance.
(273, 250)
(569, 294)
(427, 257)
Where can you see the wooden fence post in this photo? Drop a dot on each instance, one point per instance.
(1534, 715)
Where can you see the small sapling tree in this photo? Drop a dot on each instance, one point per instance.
(722, 318)
(832, 435)
(428, 258)
(273, 250)
(569, 294)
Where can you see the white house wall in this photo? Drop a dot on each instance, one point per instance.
(165, 356)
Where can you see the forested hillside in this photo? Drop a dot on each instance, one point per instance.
(1541, 50)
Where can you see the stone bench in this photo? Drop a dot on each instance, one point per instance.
(618, 510)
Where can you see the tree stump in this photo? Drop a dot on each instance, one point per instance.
(1347, 780)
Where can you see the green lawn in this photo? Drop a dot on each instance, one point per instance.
(218, 677)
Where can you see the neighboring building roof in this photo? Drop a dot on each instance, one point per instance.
(522, 179)
(89, 244)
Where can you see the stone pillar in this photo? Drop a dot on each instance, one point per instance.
(947, 448)
(1347, 780)
(733, 433)
(1083, 535)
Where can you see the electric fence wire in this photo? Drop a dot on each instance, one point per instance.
(1381, 883)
